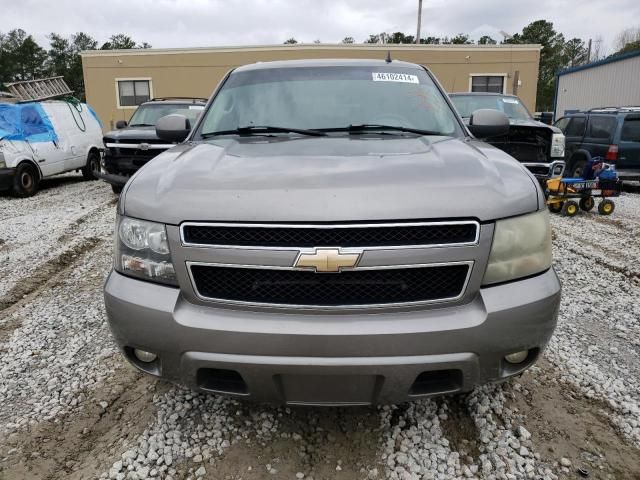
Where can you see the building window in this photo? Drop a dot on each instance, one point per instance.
(133, 92)
(487, 83)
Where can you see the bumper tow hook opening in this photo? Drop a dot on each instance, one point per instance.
(222, 381)
(437, 382)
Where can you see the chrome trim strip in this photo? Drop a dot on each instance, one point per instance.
(150, 146)
(328, 226)
(551, 166)
(469, 263)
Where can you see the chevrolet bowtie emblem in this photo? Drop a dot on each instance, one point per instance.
(327, 260)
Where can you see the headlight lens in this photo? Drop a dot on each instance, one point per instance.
(142, 251)
(557, 145)
(521, 247)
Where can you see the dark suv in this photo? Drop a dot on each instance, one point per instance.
(611, 133)
(132, 145)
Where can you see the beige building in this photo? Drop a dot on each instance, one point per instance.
(116, 81)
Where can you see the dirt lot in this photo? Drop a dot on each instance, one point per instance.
(71, 408)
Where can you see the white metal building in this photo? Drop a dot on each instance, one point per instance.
(612, 82)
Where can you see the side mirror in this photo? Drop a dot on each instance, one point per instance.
(121, 124)
(173, 128)
(546, 117)
(488, 123)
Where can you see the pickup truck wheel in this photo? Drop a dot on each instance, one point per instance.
(26, 180)
(116, 188)
(92, 167)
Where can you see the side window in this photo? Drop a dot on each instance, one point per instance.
(562, 124)
(576, 127)
(602, 127)
(631, 129)
(133, 92)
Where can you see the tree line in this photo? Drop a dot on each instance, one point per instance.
(21, 58)
(557, 52)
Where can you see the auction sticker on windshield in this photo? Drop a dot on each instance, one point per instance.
(394, 77)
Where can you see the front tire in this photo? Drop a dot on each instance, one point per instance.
(26, 180)
(570, 208)
(92, 167)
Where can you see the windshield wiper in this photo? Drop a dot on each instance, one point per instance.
(262, 129)
(365, 127)
(141, 125)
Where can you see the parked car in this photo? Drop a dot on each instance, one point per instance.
(331, 233)
(42, 139)
(540, 147)
(611, 133)
(133, 144)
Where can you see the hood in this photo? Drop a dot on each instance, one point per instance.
(330, 179)
(530, 122)
(132, 133)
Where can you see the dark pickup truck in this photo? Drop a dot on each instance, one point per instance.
(133, 144)
(540, 147)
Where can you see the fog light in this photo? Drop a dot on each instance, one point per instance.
(517, 357)
(146, 357)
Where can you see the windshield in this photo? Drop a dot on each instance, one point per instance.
(330, 97)
(150, 113)
(510, 106)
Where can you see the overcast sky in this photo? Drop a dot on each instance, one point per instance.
(190, 23)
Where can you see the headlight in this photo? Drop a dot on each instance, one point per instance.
(557, 145)
(142, 251)
(521, 247)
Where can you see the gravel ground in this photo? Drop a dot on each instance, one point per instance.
(71, 408)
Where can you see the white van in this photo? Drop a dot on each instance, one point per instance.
(41, 139)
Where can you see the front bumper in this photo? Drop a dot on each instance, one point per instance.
(336, 359)
(113, 179)
(629, 174)
(6, 178)
(544, 171)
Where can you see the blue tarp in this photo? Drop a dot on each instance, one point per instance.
(26, 121)
(95, 115)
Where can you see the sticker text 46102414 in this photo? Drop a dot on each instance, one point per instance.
(394, 77)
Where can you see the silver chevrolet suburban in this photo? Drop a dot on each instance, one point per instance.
(331, 233)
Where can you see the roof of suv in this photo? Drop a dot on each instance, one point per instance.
(606, 111)
(327, 62)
